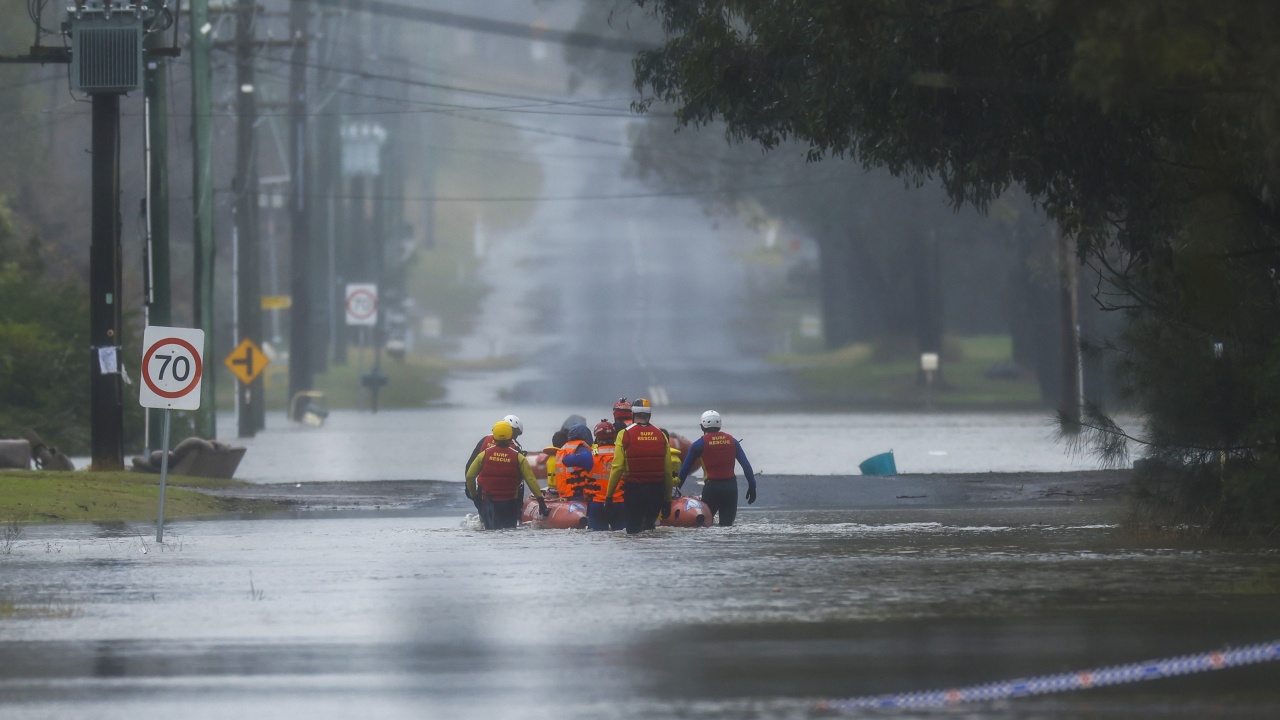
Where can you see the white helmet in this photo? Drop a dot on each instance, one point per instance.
(517, 428)
(710, 420)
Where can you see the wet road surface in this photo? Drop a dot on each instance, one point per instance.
(425, 616)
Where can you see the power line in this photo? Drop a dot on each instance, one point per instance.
(572, 198)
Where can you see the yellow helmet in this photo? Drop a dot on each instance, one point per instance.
(502, 430)
(641, 407)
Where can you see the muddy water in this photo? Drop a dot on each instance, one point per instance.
(428, 617)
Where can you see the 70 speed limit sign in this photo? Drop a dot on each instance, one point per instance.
(362, 304)
(172, 367)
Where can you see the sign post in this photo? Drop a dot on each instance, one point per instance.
(171, 372)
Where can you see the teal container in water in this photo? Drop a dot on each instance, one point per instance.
(881, 464)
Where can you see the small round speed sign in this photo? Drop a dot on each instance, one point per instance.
(172, 368)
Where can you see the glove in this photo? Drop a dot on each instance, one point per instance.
(608, 506)
(467, 491)
(675, 493)
(665, 511)
(542, 508)
(751, 494)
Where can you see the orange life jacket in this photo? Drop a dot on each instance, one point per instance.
(570, 480)
(600, 476)
(646, 450)
(500, 475)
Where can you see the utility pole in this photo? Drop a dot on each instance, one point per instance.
(158, 301)
(301, 348)
(249, 399)
(106, 406)
(106, 62)
(202, 198)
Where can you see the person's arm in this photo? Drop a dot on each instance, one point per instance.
(691, 460)
(746, 470)
(668, 469)
(476, 451)
(619, 468)
(746, 464)
(529, 478)
(473, 472)
(580, 458)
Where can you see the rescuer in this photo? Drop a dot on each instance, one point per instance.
(573, 464)
(602, 516)
(719, 452)
(641, 456)
(494, 477)
(622, 415)
(517, 428)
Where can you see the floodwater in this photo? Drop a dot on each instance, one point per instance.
(426, 616)
(434, 444)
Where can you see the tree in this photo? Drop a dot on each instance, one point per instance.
(44, 334)
(1148, 132)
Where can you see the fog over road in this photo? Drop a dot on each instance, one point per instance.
(635, 295)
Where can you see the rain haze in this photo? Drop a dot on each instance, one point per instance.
(905, 372)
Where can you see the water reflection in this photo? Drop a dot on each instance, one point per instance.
(427, 616)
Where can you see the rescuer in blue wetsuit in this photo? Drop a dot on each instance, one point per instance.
(719, 451)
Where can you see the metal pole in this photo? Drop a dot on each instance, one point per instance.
(202, 192)
(249, 312)
(164, 474)
(159, 300)
(301, 352)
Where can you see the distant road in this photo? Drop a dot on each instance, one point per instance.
(642, 296)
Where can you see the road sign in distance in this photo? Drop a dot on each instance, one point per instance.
(277, 302)
(246, 361)
(362, 304)
(172, 368)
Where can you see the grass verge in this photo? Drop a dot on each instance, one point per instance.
(80, 496)
(860, 376)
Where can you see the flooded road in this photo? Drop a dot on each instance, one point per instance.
(434, 444)
(428, 617)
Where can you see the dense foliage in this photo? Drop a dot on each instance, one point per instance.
(1148, 131)
(44, 340)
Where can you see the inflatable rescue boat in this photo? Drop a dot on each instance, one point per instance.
(686, 511)
(565, 514)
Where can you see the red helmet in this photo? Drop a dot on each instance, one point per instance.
(604, 431)
(622, 409)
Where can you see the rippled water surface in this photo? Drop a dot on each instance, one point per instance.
(428, 617)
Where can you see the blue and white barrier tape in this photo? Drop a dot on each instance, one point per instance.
(1064, 682)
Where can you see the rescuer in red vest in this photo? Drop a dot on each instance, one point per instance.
(599, 515)
(719, 452)
(493, 480)
(641, 456)
(487, 442)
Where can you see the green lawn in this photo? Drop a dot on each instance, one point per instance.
(83, 496)
(862, 375)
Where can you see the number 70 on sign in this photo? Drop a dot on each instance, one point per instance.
(172, 368)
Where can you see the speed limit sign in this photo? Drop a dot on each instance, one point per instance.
(172, 366)
(362, 304)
